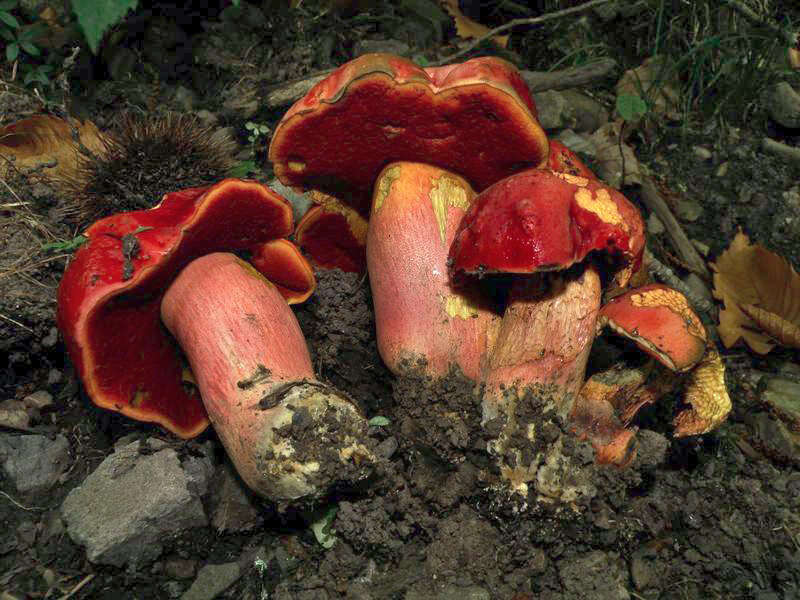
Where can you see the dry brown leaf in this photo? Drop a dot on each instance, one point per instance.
(466, 28)
(754, 282)
(786, 333)
(44, 139)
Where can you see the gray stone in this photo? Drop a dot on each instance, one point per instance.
(701, 152)
(385, 46)
(180, 568)
(213, 580)
(124, 509)
(783, 105)
(688, 210)
(553, 110)
(33, 462)
(14, 414)
(232, 506)
(587, 115)
(51, 338)
(577, 142)
(300, 202)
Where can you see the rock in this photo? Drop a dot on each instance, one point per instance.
(688, 210)
(129, 504)
(385, 46)
(213, 580)
(701, 152)
(14, 414)
(782, 395)
(654, 225)
(38, 400)
(232, 504)
(594, 576)
(586, 114)
(54, 376)
(577, 142)
(783, 105)
(300, 202)
(51, 338)
(553, 110)
(773, 438)
(33, 462)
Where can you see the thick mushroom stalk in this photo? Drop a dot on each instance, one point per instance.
(527, 225)
(288, 435)
(424, 326)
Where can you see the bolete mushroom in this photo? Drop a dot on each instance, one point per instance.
(423, 325)
(110, 300)
(476, 119)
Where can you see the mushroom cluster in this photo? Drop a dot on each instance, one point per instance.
(467, 192)
(440, 182)
(166, 324)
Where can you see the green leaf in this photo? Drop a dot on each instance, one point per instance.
(96, 16)
(9, 19)
(322, 528)
(243, 169)
(67, 246)
(379, 421)
(630, 106)
(30, 48)
(7, 5)
(12, 51)
(6, 33)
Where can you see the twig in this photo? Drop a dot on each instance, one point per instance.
(539, 81)
(789, 37)
(17, 323)
(688, 253)
(789, 153)
(82, 583)
(662, 272)
(18, 505)
(524, 21)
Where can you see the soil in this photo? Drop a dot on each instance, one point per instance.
(716, 516)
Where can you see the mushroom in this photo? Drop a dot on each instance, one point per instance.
(333, 235)
(110, 299)
(423, 325)
(476, 119)
(560, 236)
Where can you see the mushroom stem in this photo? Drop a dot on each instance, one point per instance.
(423, 325)
(542, 347)
(288, 435)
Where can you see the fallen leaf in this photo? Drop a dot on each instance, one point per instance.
(761, 292)
(466, 28)
(614, 158)
(44, 139)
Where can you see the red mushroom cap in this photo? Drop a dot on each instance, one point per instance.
(660, 322)
(540, 220)
(334, 236)
(282, 263)
(476, 119)
(563, 160)
(109, 298)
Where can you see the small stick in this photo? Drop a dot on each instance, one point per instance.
(688, 253)
(18, 505)
(789, 37)
(662, 272)
(524, 21)
(777, 148)
(82, 583)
